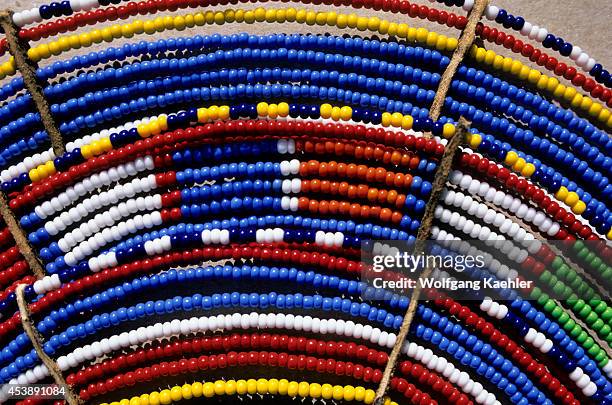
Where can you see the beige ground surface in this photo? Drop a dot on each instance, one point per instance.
(582, 22)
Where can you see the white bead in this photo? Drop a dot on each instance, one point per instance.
(589, 65)
(526, 28)
(491, 12)
(534, 32)
(582, 59)
(542, 33)
(590, 389)
(468, 5)
(583, 381)
(575, 53)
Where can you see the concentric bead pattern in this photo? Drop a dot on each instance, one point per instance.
(203, 235)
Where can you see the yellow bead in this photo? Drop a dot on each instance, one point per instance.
(489, 57)
(155, 129)
(451, 44)
(519, 164)
(95, 148)
(561, 194)
(213, 112)
(369, 396)
(373, 23)
(273, 111)
(349, 393)
(262, 109)
(507, 65)
(251, 386)
(321, 19)
(303, 389)
(86, 151)
(362, 23)
(498, 62)
(314, 390)
(134, 401)
(144, 399)
(186, 392)
(208, 389)
(137, 27)
(559, 91)
(50, 166)
(421, 34)
(595, 109)
(569, 94)
(572, 198)
(432, 38)
(42, 172)
(179, 23)
(326, 110)
(43, 51)
(199, 19)
(534, 76)
(74, 40)
(480, 55)
(224, 112)
(411, 35)
(162, 121)
(338, 393)
(448, 130)
(230, 387)
(579, 208)
(475, 141)
(402, 30)
(241, 387)
(342, 21)
(336, 113)
(273, 386)
(385, 119)
(407, 122)
(149, 28)
(360, 393)
(332, 18)
(203, 115)
(154, 398)
(311, 18)
(327, 391)
(164, 397)
(292, 389)
(262, 386)
(281, 16)
(552, 84)
(384, 28)
(197, 389)
(270, 16)
(33, 175)
(516, 67)
(300, 16)
(219, 387)
(609, 234)
(346, 113)
(283, 109)
(33, 54)
(511, 158)
(528, 170)
(124, 401)
(396, 119)
(176, 393)
(524, 73)
(442, 42)
(283, 386)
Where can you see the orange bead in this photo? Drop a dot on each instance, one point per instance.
(385, 214)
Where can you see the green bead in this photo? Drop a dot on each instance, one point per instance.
(601, 356)
(569, 325)
(572, 299)
(543, 298)
(591, 318)
(559, 289)
(571, 276)
(584, 311)
(605, 329)
(535, 293)
(578, 245)
(594, 351)
(607, 314)
(563, 318)
(590, 257)
(582, 253)
(546, 276)
(556, 312)
(557, 263)
(576, 330)
(549, 305)
(602, 363)
(596, 262)
(588, 343)
(597, 325)
(581, 337)
(607, 274)
(578, 305)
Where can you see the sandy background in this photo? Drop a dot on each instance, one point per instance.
(582, 22)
